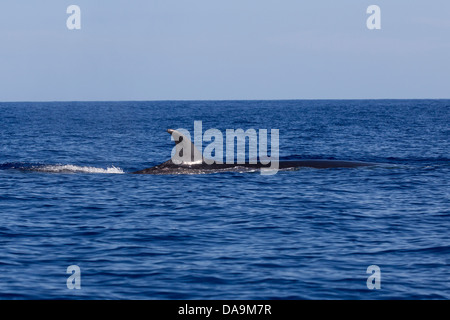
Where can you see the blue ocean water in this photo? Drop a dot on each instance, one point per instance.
(66, 199)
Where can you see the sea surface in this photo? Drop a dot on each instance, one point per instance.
(66, 199)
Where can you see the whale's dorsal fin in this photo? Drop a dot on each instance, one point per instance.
(185, 151)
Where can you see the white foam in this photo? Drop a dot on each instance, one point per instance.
(69, 168)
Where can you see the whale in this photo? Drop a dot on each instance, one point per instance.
(197, 164)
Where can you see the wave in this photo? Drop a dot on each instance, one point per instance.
(421, 159)
(59, 168)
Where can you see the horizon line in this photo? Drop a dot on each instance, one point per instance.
(186, 100)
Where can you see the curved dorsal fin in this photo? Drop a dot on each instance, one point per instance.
(185, 151)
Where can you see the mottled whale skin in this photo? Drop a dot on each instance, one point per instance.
(169, 167)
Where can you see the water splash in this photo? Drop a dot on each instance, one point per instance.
(59, 168)
(69, 168)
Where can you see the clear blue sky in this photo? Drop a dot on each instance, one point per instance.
(229, 49)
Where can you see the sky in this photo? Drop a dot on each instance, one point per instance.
(223, 50)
